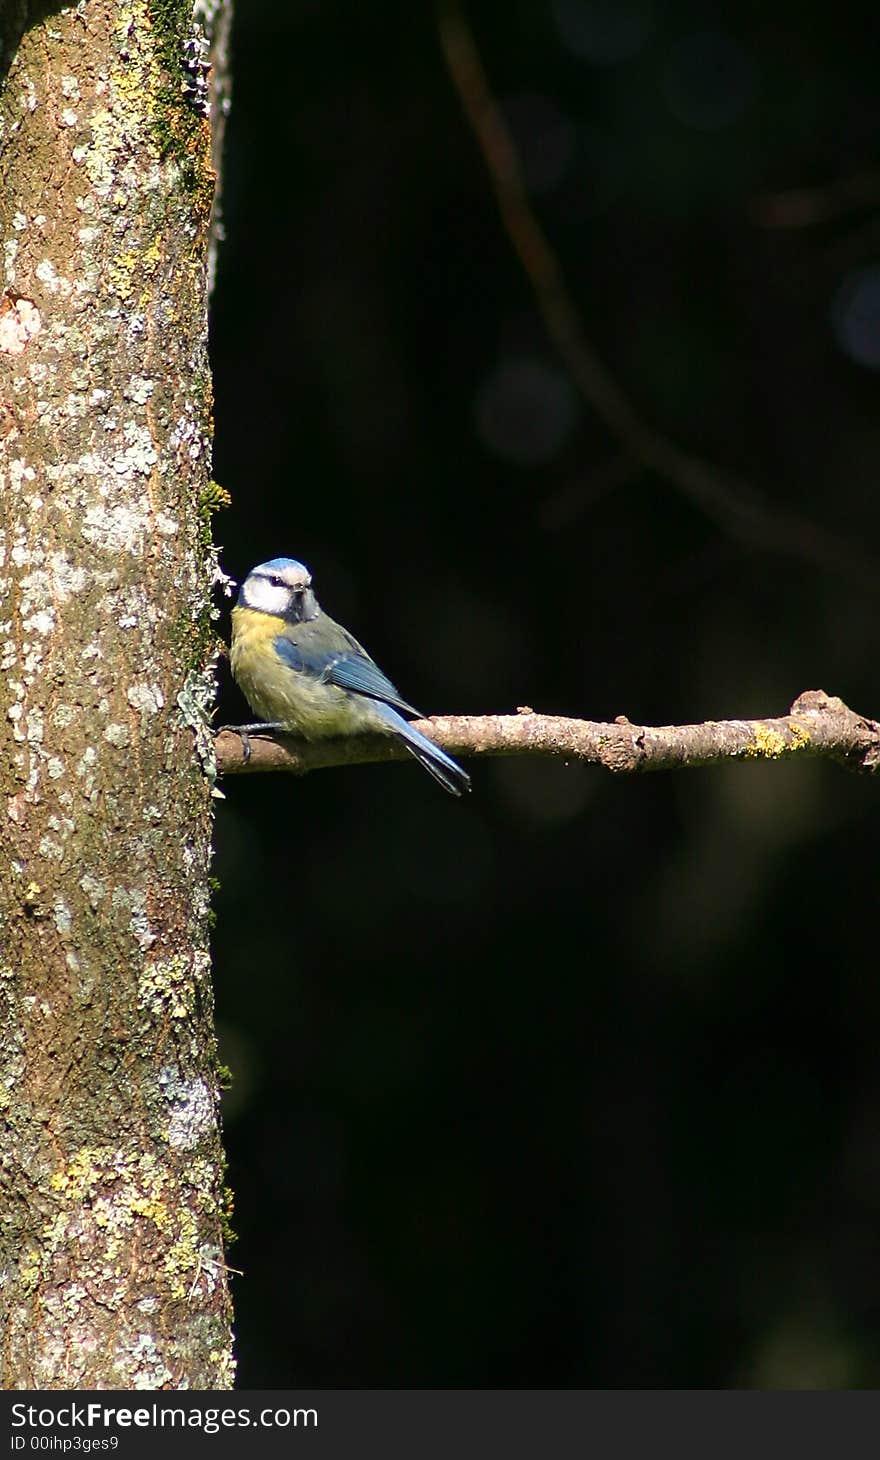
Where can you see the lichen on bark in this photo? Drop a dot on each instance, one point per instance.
(111, 1190)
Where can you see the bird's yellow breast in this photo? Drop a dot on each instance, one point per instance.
(264, 681)
(276, 692)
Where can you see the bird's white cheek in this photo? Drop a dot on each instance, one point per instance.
(267, 597)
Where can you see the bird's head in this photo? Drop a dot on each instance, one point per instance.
(283, 588)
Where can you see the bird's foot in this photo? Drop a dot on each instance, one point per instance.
(244, 731)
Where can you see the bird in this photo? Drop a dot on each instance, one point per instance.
(304, 673)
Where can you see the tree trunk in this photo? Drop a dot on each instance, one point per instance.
(111, 1190)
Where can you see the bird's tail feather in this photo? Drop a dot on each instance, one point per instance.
(440, 765)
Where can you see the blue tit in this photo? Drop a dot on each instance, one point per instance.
(304, 673)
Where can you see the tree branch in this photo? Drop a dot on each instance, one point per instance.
(817, 725)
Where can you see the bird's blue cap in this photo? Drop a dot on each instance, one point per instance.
(279, 564)
(290, 570)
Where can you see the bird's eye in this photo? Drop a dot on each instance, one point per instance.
(276, 582)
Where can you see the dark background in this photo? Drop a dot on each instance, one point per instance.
(574, 1083)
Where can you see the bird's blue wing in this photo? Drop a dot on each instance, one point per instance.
(353, 671)
(292, 656)
(359, 674)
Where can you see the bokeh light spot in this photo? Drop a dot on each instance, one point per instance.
(709, 80)
(544, 139)
(601, 31)
(855, 316)
(546, 792)
(525, 411)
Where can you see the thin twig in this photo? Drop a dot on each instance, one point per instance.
(724, 496)
(807, 207)
(817, 725)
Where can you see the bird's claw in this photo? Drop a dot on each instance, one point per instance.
(244, 732)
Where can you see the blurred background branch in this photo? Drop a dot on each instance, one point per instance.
(807, 207)
(817, 725)
(732, 502)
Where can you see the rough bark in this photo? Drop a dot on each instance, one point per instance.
(816, 725)
(111, 1179)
